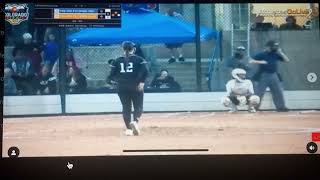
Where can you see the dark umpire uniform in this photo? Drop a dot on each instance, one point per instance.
(128, 72)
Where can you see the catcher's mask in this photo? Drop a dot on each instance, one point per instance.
(239, 74)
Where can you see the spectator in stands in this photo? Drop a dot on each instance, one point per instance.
(163, 82)
(22, 71)
(291, 24)
(172, 13)
(9, 86)
(51, 50)
(70, 61)
(48, 31)
(174, 46)
(40, 34)
(240, 60)
(45, 82)
(76, 81)
(110, 86)
(33, 51)
(307, 25)
(55, 69)
(256, 19)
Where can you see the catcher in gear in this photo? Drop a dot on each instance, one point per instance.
(240, 92)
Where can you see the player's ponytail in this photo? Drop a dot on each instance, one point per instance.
(128, 48)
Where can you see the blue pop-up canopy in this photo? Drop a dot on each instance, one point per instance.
(143, 27)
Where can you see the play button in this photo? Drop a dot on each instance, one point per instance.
(312, 77)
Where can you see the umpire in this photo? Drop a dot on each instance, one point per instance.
(268, 73)
(130, 72)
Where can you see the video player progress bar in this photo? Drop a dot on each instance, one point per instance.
(166, 150)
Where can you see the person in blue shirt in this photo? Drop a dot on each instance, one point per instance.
(268, 73)
(51, 51)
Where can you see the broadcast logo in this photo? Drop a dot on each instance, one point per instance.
(16, 13)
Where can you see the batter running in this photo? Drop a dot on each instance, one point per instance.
(130, 72)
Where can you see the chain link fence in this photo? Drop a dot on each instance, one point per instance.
(237, 23)
(96, 58)
(93, 61)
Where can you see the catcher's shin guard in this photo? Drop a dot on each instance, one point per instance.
(254, 100)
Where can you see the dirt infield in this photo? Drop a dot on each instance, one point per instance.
(220, 133)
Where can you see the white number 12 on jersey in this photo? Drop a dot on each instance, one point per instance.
(129, 67)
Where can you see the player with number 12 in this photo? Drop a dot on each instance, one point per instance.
(130, 72)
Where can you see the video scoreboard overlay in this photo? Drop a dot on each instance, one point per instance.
(78, 15)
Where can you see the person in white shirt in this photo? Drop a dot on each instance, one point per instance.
(240, 92)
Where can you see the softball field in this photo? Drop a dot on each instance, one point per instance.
(201, 132)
